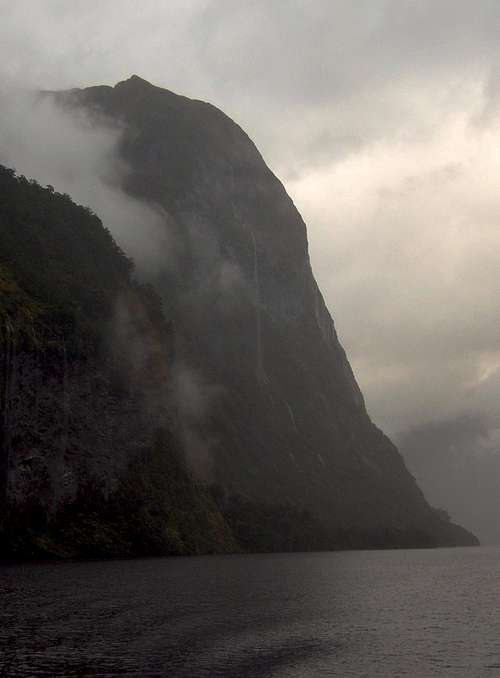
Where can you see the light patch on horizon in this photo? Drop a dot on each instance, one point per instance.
(405, 247)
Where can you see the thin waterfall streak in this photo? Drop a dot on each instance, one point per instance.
(258, 319)
(64, 433)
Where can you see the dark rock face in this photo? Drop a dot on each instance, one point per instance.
(286, 420)
(89, 463)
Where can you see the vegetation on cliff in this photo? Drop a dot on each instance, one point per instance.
(81, 342)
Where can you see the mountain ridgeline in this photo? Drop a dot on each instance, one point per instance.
(102, 450)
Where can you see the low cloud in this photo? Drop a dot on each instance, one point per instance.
(71, 152)
(195, 398)
(456, 461)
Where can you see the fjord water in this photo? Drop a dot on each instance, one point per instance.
(418, 613)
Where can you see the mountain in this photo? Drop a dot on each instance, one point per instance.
(221, 415)
(286, 421)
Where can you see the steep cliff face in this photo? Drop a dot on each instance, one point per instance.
(285, 420)
(89, 463)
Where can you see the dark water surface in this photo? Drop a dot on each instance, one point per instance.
(364, 614)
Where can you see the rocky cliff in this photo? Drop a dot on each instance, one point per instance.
(89, 463)
(284, 422)
(221, 415)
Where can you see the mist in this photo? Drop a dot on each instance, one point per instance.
(67, 149)
(64, 148)
(457, 462)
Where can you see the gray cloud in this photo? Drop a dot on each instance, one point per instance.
(76, 156)
(414, 237)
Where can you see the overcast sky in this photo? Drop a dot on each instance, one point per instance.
(382, 118)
